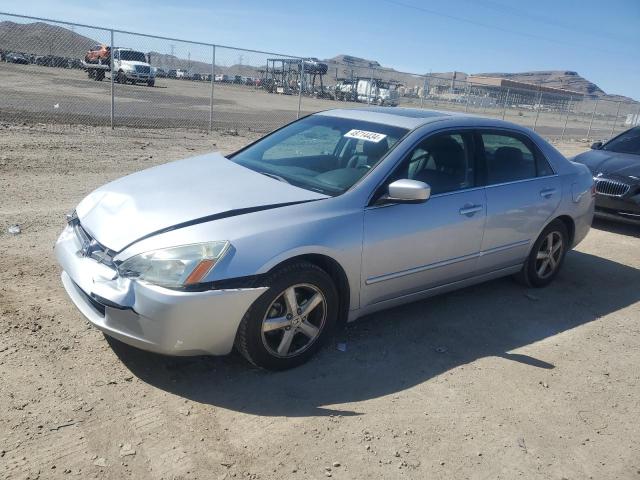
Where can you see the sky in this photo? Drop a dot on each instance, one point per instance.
(600, 40)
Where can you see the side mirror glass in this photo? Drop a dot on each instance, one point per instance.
(408, 191)
(596, 146)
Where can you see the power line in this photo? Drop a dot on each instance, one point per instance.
(521, 13)
(489, 26)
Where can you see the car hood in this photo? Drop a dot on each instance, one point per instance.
(178, 194)
(602, 161)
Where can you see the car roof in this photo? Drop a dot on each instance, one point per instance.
(411, 118)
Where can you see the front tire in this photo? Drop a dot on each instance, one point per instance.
(288, 323)
(546, 256)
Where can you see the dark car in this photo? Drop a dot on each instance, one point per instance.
(17, 58)
(615, 166)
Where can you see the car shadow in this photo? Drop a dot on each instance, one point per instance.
(393, 350)
(621, 228)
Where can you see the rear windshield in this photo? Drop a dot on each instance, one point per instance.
(627, 142)
(321, 153)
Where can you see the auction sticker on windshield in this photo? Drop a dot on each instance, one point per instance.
(364, 135)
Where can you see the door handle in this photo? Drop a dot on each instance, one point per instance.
(470, 210)
(547, 192)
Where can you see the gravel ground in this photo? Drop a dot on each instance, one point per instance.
(494, 381)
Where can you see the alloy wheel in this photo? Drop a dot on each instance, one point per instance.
(549, 255)
(294, 320)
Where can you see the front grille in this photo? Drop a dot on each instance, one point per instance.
(89, 246)
(611, 188)
(143, 69)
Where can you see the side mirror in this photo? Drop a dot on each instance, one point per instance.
(407, 191)
(596, 146)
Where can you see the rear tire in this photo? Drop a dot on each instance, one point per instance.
(546, 256)
(121, 77)
(277, 333)
(151, 83)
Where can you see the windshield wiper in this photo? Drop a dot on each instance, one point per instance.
(277, 177)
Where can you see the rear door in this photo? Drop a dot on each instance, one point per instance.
(522, 194)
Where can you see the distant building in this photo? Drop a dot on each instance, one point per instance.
(504, 83)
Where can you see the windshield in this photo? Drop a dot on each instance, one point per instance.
(132, 56)
(321, 153)
(627, 142)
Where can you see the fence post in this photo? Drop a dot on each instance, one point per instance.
(370, 86)
(566, 120)
(504, 108)
(301, 86)
(424, 92)
(213, 74)
(113, 102)
(593, 114)
(616, 119)
(466, 107)
(538, 106)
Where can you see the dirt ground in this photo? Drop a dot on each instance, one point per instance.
(491, 382)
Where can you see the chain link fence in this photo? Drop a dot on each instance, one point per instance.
(59, 72)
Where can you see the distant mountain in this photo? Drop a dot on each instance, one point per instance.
(43, 39)
(342, 66)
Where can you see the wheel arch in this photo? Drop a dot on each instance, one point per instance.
(570, 224)
(335, 271)
(567, 221)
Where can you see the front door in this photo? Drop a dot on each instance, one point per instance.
(413, 247)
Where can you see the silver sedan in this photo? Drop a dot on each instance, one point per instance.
(332, 217)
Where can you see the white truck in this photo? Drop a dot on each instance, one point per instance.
(377, 92)
(128, 65)
(132, 66)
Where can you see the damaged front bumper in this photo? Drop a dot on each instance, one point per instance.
(148, 316)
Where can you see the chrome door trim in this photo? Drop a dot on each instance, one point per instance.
(423, 268)
(435, 195)
(502, 248)
(493, 185)
(430, 292)
(444, 263)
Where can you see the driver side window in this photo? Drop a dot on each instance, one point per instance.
(444, 161)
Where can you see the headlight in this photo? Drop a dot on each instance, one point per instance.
(174, 267)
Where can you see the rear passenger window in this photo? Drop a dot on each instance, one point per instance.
(508, 159)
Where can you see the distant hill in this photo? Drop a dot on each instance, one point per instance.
(564, 79)
(43, 39)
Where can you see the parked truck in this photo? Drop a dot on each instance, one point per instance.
(128, 65)
(377, 92)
